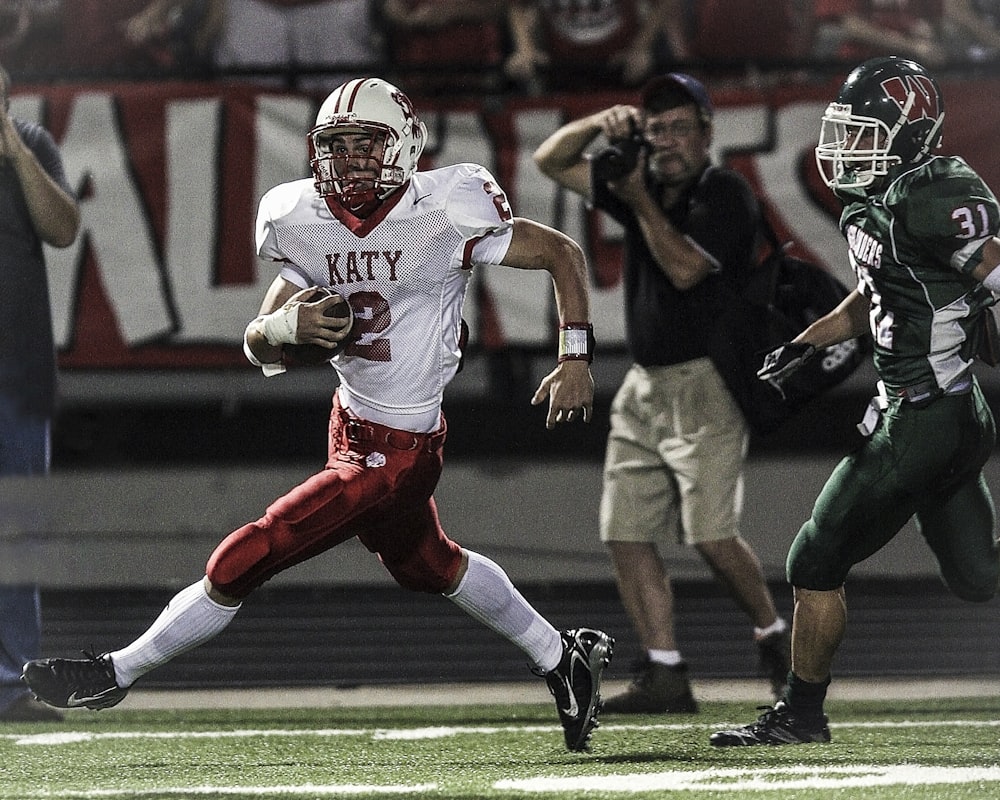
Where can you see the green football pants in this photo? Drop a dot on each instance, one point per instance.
(920, 462)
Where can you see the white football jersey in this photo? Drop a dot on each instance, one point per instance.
(404, 270)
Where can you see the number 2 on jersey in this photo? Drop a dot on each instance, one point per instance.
(371, 317)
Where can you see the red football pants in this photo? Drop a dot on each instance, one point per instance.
(378, 485)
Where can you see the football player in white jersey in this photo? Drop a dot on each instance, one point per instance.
(400, 246)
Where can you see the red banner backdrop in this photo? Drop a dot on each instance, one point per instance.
(163, 274)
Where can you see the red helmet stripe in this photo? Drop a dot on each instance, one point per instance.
(350, 93)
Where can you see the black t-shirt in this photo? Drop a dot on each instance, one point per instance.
(663, 325)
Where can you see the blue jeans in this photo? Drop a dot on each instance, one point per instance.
(25, 446)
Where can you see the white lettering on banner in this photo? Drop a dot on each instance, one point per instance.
(210, 311)
(740, 128)
(541, 198)
(192, 140)
(457, 137)
(282, 152)
(114, 222)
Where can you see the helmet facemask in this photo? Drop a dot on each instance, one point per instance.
(349, 162)
(366, 143)
(853, 151)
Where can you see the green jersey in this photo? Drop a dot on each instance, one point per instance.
(913, 248)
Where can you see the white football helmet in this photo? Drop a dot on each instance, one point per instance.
(373, 107)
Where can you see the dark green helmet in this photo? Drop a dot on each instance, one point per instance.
(888, 112)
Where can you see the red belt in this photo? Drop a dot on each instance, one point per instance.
(372, 435)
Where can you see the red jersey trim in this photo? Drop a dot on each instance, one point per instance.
(361, 227)
(467, 250)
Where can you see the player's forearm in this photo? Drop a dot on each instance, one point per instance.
(847, 321)
(572, 298)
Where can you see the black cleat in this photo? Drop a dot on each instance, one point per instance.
(778, 725)
(74, 682)
(576, 683)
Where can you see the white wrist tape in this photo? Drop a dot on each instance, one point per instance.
(281, 325)
(992, 281)
(275, 368)
(248, 352)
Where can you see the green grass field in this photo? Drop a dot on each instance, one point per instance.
(948, 749)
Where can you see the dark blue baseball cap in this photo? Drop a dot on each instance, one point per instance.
(670, 83)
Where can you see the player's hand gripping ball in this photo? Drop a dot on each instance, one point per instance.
(313, 354)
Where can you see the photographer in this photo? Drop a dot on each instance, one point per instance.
(678, 441)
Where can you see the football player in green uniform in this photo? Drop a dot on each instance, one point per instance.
(922, 238)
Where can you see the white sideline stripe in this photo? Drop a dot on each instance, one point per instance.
(531, 692)
(213, 791)
(56, 738)
(768, 779)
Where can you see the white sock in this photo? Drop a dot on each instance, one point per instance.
(669, 657)
(190, 619)
(777, 626)
(486, 594)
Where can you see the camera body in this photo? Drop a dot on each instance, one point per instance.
(619, 158)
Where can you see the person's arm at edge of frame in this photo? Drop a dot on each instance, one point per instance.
(570, 386)
(525, 56)
(55, 214)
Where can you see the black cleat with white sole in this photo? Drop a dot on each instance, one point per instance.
(576, 683)
(74, 682)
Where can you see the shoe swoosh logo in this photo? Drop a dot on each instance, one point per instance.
(574, 709)
(75, 701)
(422, 197)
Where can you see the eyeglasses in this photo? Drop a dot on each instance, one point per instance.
(680, 129)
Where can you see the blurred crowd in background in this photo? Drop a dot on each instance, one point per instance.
(482, 46)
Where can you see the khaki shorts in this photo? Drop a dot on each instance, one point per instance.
(674, 461)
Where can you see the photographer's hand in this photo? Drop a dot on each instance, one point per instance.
(620, 122)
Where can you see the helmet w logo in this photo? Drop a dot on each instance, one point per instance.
(915, 95)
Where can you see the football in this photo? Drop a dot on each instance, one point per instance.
(313, 354)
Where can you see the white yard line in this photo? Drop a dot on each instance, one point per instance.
(764, 779)
(64, 737)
